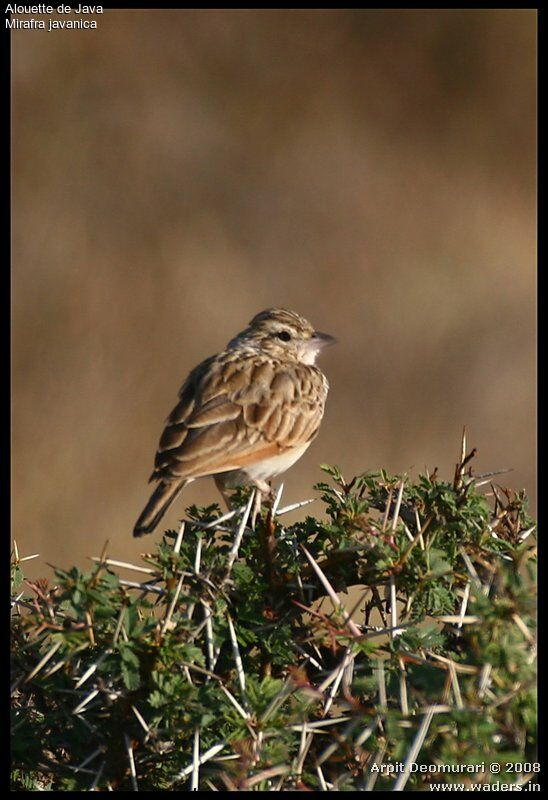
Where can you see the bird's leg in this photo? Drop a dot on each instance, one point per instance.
(262, 488)
(256, 508)
(219, 483)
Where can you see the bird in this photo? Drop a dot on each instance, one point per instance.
(245, 415)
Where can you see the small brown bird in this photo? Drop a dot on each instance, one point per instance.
(244, 415)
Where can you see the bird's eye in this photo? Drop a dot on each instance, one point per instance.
(285, 336)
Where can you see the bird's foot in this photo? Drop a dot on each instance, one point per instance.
(263, 490)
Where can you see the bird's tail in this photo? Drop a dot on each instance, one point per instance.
(161, 499)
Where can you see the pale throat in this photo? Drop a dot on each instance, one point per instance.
(309, 354)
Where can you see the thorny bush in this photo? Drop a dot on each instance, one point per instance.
(232, 658)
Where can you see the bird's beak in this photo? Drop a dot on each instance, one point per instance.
(323, 339)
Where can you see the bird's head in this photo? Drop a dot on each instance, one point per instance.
(283, 334)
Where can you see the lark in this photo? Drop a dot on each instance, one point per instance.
(244, 416)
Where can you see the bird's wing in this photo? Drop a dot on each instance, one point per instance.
(239, 410)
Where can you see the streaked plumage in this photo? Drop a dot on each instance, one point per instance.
(244, 415)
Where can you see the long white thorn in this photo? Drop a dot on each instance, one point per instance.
(237, 658)
(202, 759)
(332, 593)
(239, 534)
(295, 506)
(277, 499)
(51, 652)
(131, 759)
(179, 540)
(195, 762)
(418, 742)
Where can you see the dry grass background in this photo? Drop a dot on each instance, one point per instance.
(174, 172)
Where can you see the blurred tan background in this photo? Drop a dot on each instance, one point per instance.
(175, 172)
